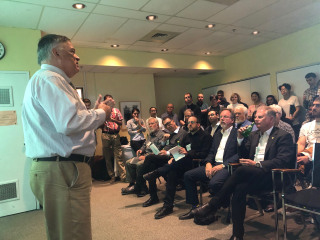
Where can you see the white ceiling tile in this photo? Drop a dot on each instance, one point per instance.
(230, 42)
(105, 69)
(172, 28)
(273, 35)
(98, 45)
(193, 23)
(210, 40)
(239, 10)
(201, 10)
(250, 44)
(151, 70)
(306, 23)
(127, 13)
(19, 15)
(53, 18)
(132, 31)
(271, 12)
(237, 30)
(287, 30)
(150, 49)
(97, 28)
(136, 4)
(65, 4)
(293, 17)
(147, 44)
(191, 52)
(86, 68)
(186, 38)
(167, 7)
(129, 70)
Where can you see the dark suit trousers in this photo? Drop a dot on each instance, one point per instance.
(173, 172)
(245, 180)
(199, 174)
(151, 163)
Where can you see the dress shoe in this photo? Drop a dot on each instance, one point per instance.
(130, 185)
(236, 238)
(128, 190)
(188, 215)
(151, 175)
(112, 180)
(164, 211)
(151, 201)
(144, 191)
(204, 211)
(180, 187)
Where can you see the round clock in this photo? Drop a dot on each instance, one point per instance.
(2, 51)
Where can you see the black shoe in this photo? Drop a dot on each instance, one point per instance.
(188, 215)
(144, 191)
(164, 211)
(151, 175)
(180, 187)
(204, 211)
(128, 190)
(151, 201)
(130, 185)
(236, 238)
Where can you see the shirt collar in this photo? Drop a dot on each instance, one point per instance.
(227, 131)
(267, 132)
(56, 70)
(176, 131)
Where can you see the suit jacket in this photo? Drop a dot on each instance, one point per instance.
(209, 129)
(230, 154)
(279, 151)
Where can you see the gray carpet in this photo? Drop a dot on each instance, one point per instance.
(122, 217)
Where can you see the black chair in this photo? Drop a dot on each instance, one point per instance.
(306, 200)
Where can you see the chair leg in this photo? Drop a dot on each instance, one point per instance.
(201, 202)
(275, 203)
(302, 218)
(258, 205)
(284, 220)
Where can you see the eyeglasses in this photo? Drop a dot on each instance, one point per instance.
(167, 124)
(212, 115)
(191, 122)
(226, 117)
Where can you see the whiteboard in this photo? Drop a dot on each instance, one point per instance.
(244, 88)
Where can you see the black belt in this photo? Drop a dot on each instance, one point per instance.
(72, 157)
(113, 133)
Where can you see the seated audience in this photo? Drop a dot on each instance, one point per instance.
(241, 114)
(169, 113)
(153, 113)
(198, 144)
(222, 101)
(291, 106)
(187, 113)
(276, 151)
(87, 102)
(280, 124)
(136, 127)
(222, 152)
(214, 126)
(204, 110)
(214, 104)
(189, 105)
(255, 97)
(271, 100)
(176, 137)
(133, 166)
(236, 101)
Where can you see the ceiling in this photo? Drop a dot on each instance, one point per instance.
(105, 22)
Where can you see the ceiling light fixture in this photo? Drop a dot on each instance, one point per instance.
(114, 45)
(255, 32)
(78, 6)
(208, 53)
(210, 26)
(165, 50)
(151, 17)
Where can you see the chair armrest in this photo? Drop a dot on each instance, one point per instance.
(235, 164)
(197, 160)
(286, 170)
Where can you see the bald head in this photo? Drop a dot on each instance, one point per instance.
(170, 108)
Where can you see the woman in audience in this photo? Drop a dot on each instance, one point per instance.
(136, 127)
(271, 100)
(255, 97)
(236, 101)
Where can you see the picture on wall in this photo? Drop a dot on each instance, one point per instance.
(126, 108)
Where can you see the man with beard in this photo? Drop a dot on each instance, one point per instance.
(241, 114)
(214, 126)
(204, 109)
(189, 105)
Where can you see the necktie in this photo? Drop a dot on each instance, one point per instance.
(71, 84)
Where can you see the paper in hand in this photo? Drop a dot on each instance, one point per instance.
(175, 153)
(154, 149)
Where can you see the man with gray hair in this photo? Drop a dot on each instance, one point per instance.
(134, 165)
(60, 140)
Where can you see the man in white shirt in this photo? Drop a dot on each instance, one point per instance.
(213, 117)
(264, 150)
(60, 139)
(153, 113)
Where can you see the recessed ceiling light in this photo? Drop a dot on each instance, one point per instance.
(78, 6)
(208, 53)
(210, 26)
(165, 50)
(151, 17)
(255, 32)
(114, 45)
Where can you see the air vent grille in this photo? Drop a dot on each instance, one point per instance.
(6, 97)
(159, 36)
(9, 191)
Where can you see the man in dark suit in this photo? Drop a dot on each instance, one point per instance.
(264, 150)
(213, 117)
(222, 152)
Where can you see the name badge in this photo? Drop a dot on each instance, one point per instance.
(167, 143)
(188, 147)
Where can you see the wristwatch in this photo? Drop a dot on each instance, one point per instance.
(258, 165)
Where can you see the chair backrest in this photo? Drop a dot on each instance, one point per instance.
(316, 166)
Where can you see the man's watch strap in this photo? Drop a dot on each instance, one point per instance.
(258, 165)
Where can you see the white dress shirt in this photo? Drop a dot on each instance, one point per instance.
(55, 120)
(220, 151)
(214, 129)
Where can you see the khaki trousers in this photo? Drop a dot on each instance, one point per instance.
(63, 189)
(108, 141)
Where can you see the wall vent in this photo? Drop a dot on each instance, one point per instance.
(159, 36)
(9, 191)
(6, 99)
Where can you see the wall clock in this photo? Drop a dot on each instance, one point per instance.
(2, 51)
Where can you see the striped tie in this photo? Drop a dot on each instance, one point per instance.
(71, 84)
